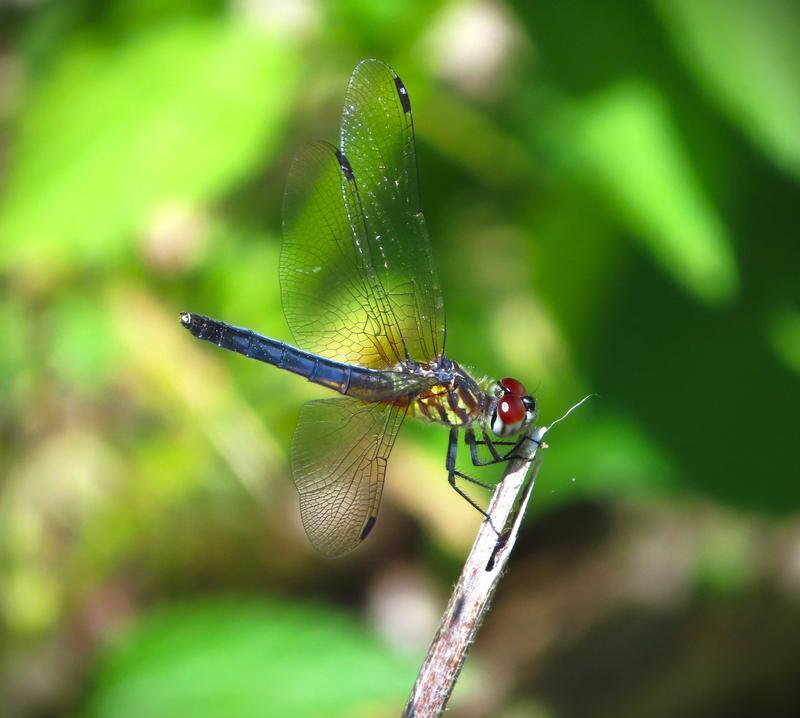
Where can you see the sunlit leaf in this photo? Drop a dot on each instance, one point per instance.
(746, 54)
(631, 150)
(174, 114)
(241, 659)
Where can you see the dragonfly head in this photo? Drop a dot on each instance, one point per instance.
(513, 408)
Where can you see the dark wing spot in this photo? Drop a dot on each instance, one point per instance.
(368, 526)
(405, 101)
(345, 165)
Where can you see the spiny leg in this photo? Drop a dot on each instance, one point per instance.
(452, 473)
(496, 443)
(471, 441)
(469, 438)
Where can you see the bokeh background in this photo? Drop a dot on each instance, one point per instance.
(612, 195)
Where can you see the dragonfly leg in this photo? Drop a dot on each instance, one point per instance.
(469, 438)
(452, 473)
(490, 443)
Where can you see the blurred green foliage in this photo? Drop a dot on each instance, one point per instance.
(152, 119)
(611, 192)
(249, 659)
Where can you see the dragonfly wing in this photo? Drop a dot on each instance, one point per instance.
(377, 137)
(332, 297)
(339, 456)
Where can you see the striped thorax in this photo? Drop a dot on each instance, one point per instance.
(457, 400)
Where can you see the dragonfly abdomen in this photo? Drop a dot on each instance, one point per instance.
(355, 381)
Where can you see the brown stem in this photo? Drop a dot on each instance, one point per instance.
(476, 586)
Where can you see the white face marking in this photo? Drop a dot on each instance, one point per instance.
(497, 426)
(500, 428)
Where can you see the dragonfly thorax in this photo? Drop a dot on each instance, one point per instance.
(455, 400)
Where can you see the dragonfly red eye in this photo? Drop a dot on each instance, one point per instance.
(513, 387)
(511, 409)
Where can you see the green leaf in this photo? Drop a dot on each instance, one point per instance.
(629, 147)
(745, 53)
(176, 114)
(241, 658)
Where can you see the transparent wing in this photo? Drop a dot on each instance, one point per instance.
(332, 297)
(377, 137)
(339, 456)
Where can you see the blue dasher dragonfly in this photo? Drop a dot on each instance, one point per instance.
(361, 296)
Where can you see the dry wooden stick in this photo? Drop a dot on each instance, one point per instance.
(476, 586)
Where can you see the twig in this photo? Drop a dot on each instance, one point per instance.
(476, 586)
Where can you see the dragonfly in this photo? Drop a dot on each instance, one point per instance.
(361, 296)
